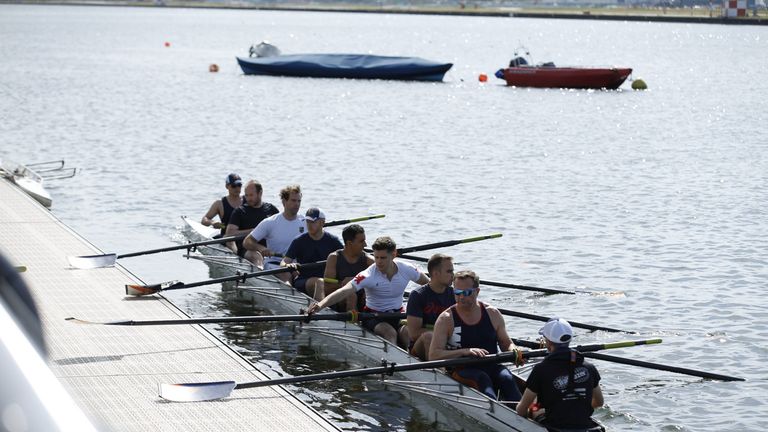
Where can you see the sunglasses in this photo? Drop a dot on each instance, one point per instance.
(466, 293)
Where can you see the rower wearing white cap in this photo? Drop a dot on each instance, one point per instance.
(565, 387)
(312, 246)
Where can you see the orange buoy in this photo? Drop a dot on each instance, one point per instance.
(167, 44)
(213, 67)
(483, 78)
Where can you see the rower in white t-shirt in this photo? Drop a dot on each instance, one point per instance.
(279, 231)
(384, 283)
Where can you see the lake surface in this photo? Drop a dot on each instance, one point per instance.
(652, 204)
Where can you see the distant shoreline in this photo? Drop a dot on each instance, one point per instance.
(671, 15)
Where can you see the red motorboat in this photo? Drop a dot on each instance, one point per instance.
(521, 73)
(564, 77)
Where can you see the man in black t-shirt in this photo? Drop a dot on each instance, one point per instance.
(427, 302)
(565, 387)
(312, 246)
(247, 216)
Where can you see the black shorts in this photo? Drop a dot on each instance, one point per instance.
(300, 283)
(371, 323)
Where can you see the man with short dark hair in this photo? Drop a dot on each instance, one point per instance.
(224, 207)
(384, 283)
(427, 302)
(343, 264)
(247, 216)
(566, 388)
(471, 328)
(312, 246)
(278, 230)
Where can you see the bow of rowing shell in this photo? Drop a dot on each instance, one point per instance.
(447, 394)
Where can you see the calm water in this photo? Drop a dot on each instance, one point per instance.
(653, 201)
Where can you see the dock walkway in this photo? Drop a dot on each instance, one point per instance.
(112, 372)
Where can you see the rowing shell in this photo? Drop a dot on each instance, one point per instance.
(281, 298)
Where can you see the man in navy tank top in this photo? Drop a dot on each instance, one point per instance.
(471, 328)
(344, 264)
(564, 386)
(224, 207)
(427, 302)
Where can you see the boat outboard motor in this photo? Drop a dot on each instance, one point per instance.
(517, 61)
(264, 49)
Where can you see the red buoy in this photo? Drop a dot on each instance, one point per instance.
(483, 78)
(167, 44)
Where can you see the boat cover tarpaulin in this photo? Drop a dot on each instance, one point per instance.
(346, 66)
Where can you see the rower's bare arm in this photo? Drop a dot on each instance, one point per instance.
(443, 330)
(330, 272)
(505, 342)
(423, 279)
(336, 296)
(526, 401)
(215, 210)
(415, 328)
(597, 397)
(251, 244)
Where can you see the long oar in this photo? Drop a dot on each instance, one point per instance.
(446, 243)
(107, 260)
(194, 392)
(498, 284)
(140, 290)
(640, 363)
(345, 316)
(685, 371)
(573, 323)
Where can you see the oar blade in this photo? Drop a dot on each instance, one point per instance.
(197, 392)
(142, 290)
(85, 262)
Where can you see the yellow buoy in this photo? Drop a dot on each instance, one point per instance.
(639, 84)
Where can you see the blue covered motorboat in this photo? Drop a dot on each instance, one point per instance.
(266, 60)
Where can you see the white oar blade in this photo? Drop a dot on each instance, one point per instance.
(196, 392)
(92, 261)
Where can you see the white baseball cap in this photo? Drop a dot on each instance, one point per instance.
(557, 330)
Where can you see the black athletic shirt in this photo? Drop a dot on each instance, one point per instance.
(304, 249)
(480, 335)
(428, 305)
(228, 209)
(247, 217)
(566, 407)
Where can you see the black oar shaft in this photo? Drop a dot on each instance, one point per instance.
(230, 238)
(523, 287)
(497, 284)
(347, 221)
(434, 364)
(241, 277)
(445, 244)
(545, 319)
(184, 246)
(343, 316)
(649, 365)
